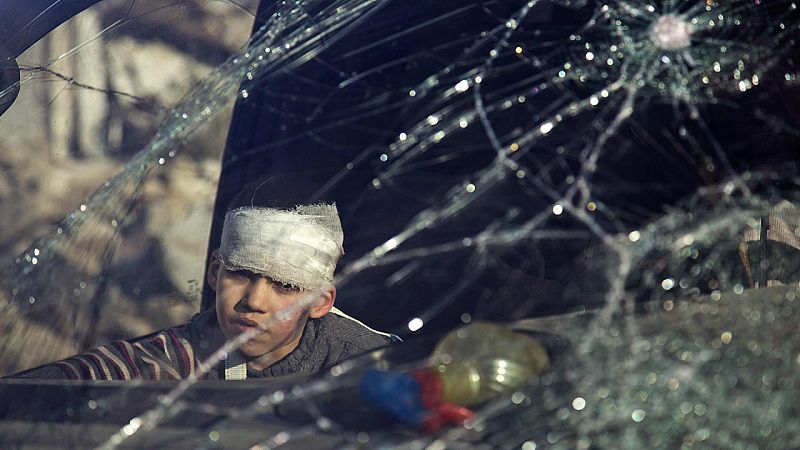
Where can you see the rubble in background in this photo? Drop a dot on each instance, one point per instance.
(80, 117)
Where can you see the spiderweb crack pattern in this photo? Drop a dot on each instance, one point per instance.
(556, 107)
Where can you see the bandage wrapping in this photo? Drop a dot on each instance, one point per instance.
(299, 247)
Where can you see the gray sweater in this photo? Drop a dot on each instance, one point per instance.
(177, 352)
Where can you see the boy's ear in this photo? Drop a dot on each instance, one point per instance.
(213, 270)
(323, 304)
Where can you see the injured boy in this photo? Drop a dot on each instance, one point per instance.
(273, 279)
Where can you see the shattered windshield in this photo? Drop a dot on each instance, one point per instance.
(615, 180)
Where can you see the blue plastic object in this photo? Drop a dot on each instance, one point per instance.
(397, 394)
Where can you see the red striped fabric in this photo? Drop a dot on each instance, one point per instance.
(163, 356)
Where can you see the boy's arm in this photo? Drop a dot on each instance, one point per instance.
(160, 356)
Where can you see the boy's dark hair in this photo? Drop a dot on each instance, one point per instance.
(277, 192)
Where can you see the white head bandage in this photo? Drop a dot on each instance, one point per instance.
(298, 247)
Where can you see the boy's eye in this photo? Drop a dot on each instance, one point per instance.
(238, 274)
(285, 287)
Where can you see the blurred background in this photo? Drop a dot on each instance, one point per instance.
(94, 93)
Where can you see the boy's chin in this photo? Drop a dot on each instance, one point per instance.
(254, 350)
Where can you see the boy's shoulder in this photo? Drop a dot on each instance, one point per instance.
(328, 341)
(339, 328)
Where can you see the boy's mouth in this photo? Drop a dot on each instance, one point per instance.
(244, 325)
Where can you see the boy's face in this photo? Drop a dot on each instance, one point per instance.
(247, 301)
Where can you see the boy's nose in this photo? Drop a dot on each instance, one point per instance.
(257, 297)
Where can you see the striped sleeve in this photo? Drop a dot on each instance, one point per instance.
(162, 356)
